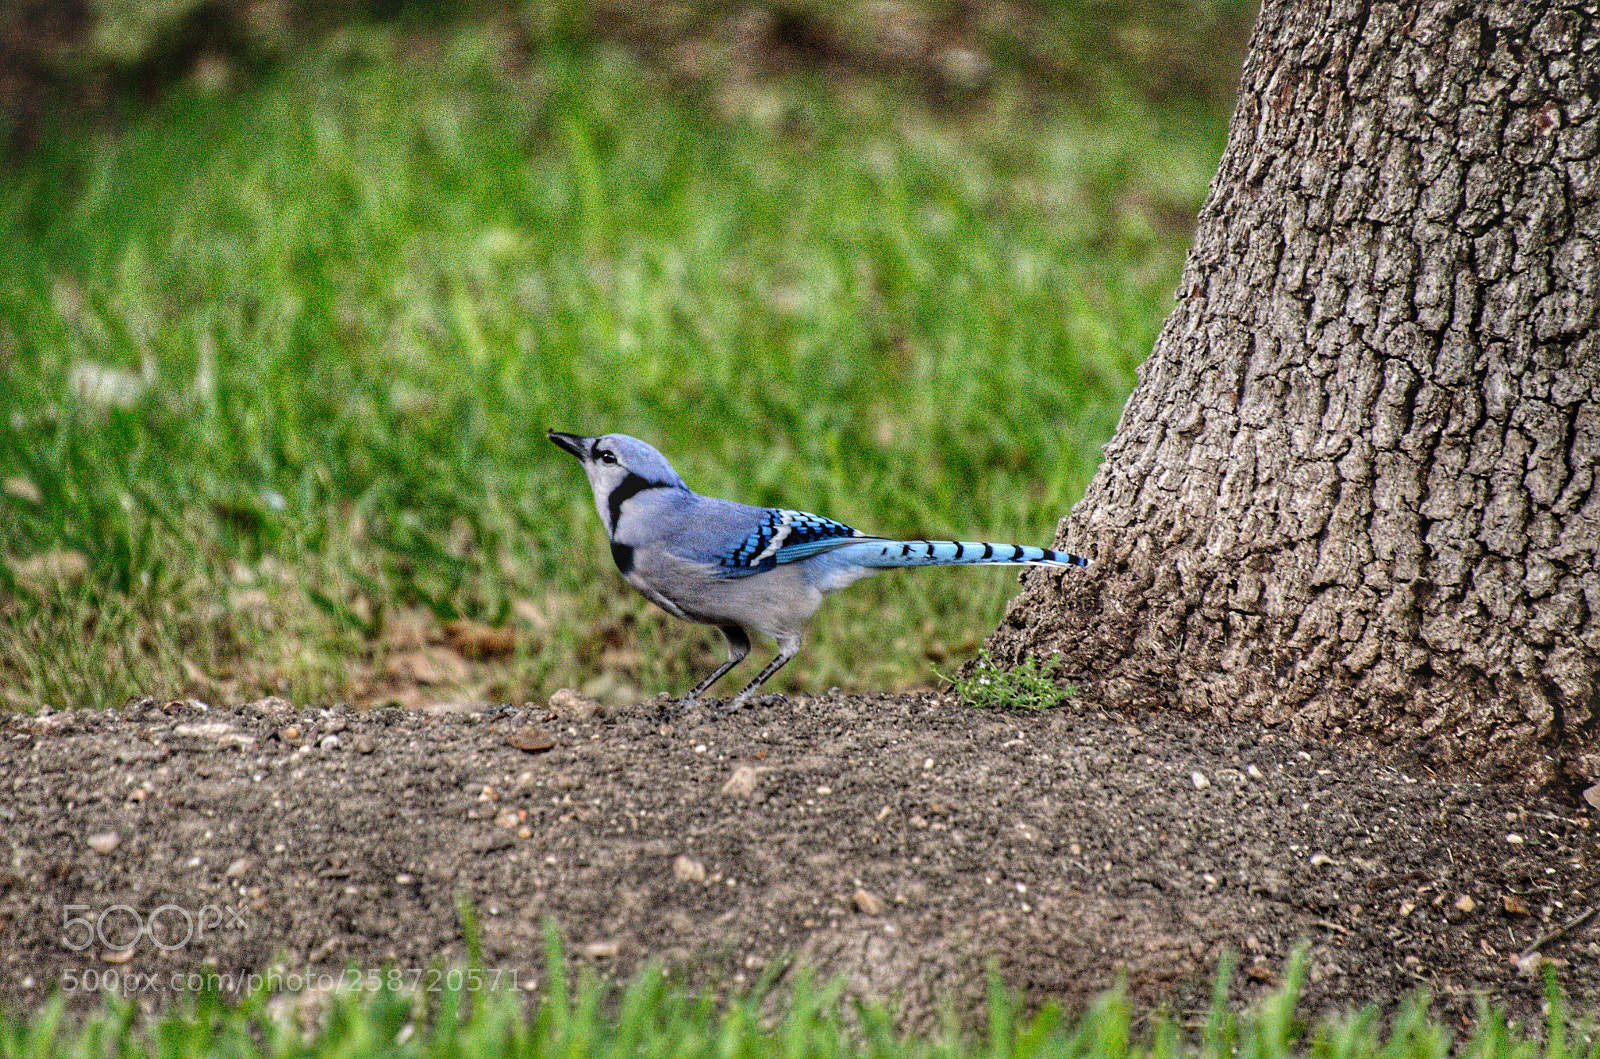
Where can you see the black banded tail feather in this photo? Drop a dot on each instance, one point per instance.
(786, 536)
(889, 553)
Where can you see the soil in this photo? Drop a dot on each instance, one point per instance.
(905, 842)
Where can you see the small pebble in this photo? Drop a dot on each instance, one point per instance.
(742, 784)
(216, 731)
(269, 705)
(571, 704)
(867, 902)
(687, 869)
(531, 740)
(1199, 779)
(104, 841)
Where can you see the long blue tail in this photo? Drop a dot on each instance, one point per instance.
(885, 553)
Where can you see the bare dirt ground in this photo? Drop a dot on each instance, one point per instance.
(901, 841)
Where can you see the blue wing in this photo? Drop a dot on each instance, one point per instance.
(785, 537)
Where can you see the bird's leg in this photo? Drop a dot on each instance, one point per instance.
(788, 646)
(738, 647)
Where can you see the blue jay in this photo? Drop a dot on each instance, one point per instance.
(740, 567)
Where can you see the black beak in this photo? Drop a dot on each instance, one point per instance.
(573, 443)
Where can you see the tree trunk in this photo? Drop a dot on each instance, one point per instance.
(1354, 490)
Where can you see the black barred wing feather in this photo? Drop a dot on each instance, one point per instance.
(786, 537)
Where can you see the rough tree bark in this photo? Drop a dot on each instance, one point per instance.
(1354, 490)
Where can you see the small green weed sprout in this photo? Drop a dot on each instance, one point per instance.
(1029, 686)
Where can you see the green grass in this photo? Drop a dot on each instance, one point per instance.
(460, 1019)
(347, 302)
(1028, 686)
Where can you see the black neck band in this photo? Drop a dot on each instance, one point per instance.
(626, 490)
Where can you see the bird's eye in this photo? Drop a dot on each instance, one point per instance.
(607, 456)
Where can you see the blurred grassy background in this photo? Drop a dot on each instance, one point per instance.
(292, 292)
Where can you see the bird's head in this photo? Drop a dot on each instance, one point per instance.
(618, 467)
